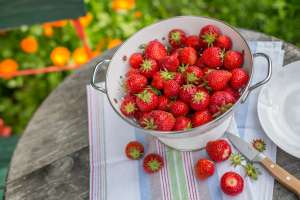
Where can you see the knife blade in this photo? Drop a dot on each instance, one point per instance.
(280, 174)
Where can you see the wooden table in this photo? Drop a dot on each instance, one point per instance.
(51, 160)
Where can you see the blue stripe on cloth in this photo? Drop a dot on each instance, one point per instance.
(242, 110)
(144, 181)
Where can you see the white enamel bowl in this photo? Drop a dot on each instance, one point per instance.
(279, 109)
(197, 137)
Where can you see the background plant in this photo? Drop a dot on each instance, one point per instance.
(107, 24)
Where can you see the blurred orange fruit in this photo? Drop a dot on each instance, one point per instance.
(120, 5)
(5, 131)
(96, 53)
(29, 44)
(80, 56)
(7, 67)
(59, 23)
(60, 56)
(48, 30)
(86, 20)
(113, 43)
(137, 14)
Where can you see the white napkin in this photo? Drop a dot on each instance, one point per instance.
(114, 177)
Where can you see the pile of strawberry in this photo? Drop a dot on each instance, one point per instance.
(185, 84)
(231, 183)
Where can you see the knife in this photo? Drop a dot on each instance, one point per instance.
(281, 175)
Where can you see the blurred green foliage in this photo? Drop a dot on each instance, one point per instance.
(20, 97)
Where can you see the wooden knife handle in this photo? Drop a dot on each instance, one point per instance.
(282, 176)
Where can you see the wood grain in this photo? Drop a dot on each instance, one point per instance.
(58, 131)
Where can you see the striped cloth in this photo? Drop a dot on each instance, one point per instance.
(114, 177)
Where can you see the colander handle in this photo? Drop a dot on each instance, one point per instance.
(102, 65)
(265, 80)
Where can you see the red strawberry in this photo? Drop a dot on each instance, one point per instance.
(158, 120)
(159, 78)
(200, 62)
(134, 150)
(192, 41)
(171, 88)
(148, 67)
(204, 168)
(218, 150)
(178, 77)
(138, 114)
(232, 183)
(182, 123)
(188, 56)
(233, 59)
(213, 57)
(132, 71)
(218, 79)
(128, 106)
(179, 108)
(163, 103)
(201, 117)
(135, 83)
(208, 35)
(153, 163)
(200, 100)
(193, 75)
(233, 92)
(224, 42)
(146, 100)
(176, 38)
(220, 102)
(136, 60)
(239, 78)
(207, 70)
(155, 50)
(186, 92)
(170, 63)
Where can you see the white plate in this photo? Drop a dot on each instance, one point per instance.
(279, 108)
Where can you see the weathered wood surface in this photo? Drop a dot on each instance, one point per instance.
(51, 159)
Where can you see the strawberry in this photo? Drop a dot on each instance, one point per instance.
(159, 78)
(182, 124)
(218, 150)
(193, 75)
(186, 92)
(179, 108)
(220, 102)
(155, 50)
(158, 120)
(137, 115)
(213, 57)
(134, 150)
(148, 67)
(176, 38)
(200, 62)
(132, 71)
(128, 106)
(233, 92)
(153, 163)
(233, 59)
(192, 41)
(146, 100)
(187, 55)
(135, 83)
(200, 100)
(224, 42)
(208, 35)
(171, 88)
(232, 183)
(204, 168)
(239, 78)
(207, 70)
(201, 117)
(163, 103)
(136, 60)
(170, 63)
(218, 79)
(178, 77)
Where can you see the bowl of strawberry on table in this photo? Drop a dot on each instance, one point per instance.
(180, 79)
